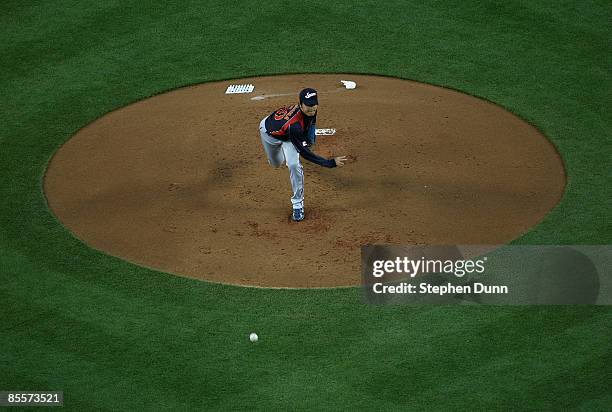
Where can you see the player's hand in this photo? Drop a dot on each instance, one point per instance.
(340, 160)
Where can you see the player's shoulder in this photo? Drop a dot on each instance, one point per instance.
(286, 112)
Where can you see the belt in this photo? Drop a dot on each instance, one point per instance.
(263, 124)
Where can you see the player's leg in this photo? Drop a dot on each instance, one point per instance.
(296, 174)
(272, 146)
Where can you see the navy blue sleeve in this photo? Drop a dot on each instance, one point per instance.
(311, 134)
(301, 145)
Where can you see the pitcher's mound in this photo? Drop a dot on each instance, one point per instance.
(179, 182)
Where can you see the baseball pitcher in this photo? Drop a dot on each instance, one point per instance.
(289, 132)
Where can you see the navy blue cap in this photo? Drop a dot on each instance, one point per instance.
(309, 97)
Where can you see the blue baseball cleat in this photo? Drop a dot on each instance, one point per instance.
(298, 215)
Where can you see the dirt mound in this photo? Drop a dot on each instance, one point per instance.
(179, 182)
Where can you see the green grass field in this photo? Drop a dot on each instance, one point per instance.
(114, 336)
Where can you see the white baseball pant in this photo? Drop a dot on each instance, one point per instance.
(279, 151)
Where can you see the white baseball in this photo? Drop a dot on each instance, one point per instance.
(253, 337)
